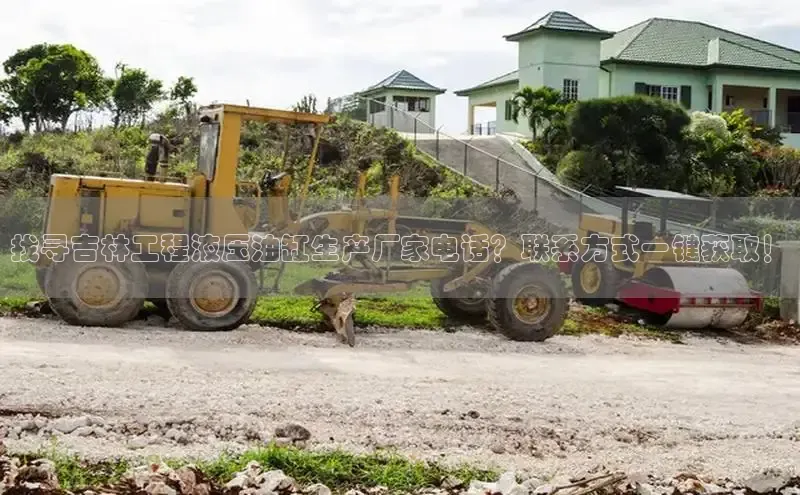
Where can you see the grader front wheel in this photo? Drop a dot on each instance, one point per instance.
(212, 296)
(528, 302)
(96, 293)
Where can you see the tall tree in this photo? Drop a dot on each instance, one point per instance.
(48, 83)
(182, 92)
(133, 94)
(539, 106)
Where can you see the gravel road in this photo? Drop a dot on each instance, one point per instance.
(564, 406)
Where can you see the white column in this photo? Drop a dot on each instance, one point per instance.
(716, 96)
(772, 102)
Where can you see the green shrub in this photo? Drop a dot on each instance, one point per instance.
(548, 155)
(763, 225)
(643, 138)
(580, 167)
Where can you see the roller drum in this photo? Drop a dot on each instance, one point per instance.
(702, 282)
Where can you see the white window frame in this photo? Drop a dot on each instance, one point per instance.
(669, 93)
(509, 110)
(570, 89)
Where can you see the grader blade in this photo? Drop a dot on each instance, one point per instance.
(339, 313)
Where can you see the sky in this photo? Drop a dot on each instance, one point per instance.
(272, 52)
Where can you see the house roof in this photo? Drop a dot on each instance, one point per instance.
(694, 44)
(403, 79)
(510, 77)
(659, 41)
(558, 20)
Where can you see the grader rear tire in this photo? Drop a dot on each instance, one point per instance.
(459, 308)
(528, 302)
(465, 303)
(98, 293)
(212, 296)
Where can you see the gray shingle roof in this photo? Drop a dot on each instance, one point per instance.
(510, 77)
(403, 79)
(559, 21)
(695, 44)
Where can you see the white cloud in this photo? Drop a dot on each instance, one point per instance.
(274, 51)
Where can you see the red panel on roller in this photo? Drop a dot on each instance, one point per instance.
(564, 263)
(650, 298)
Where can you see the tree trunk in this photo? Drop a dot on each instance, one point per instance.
(64, 121)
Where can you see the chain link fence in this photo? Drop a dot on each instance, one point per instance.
(504, 165)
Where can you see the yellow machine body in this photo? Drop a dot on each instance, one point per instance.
(610, 227)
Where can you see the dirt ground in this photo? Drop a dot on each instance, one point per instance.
(710, 405)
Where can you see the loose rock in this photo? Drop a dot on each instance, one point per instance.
(293, 432)
(68, 425)
(317, 489)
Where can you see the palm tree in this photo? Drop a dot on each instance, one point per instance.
(539, 105)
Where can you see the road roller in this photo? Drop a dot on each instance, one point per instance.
(651, 273)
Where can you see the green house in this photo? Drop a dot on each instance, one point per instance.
(403, 102)
(699, 66)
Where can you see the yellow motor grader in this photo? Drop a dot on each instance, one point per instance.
(188, 246)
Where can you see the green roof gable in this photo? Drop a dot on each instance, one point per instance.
(511, 77)
(694, 44)
(405, 80)
(559, 21)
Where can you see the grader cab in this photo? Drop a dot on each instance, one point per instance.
(187, 246)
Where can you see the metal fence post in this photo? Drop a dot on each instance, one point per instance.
(536, 195)
(466, 150)
(497, 176)
(415, 133)
(437, 145)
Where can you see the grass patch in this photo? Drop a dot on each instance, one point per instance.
(336, 469)
(17, 279)
(398, 311)
(14, 305)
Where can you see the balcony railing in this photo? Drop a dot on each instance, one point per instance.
(486, 128)
(786, 122)
(760, 116)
